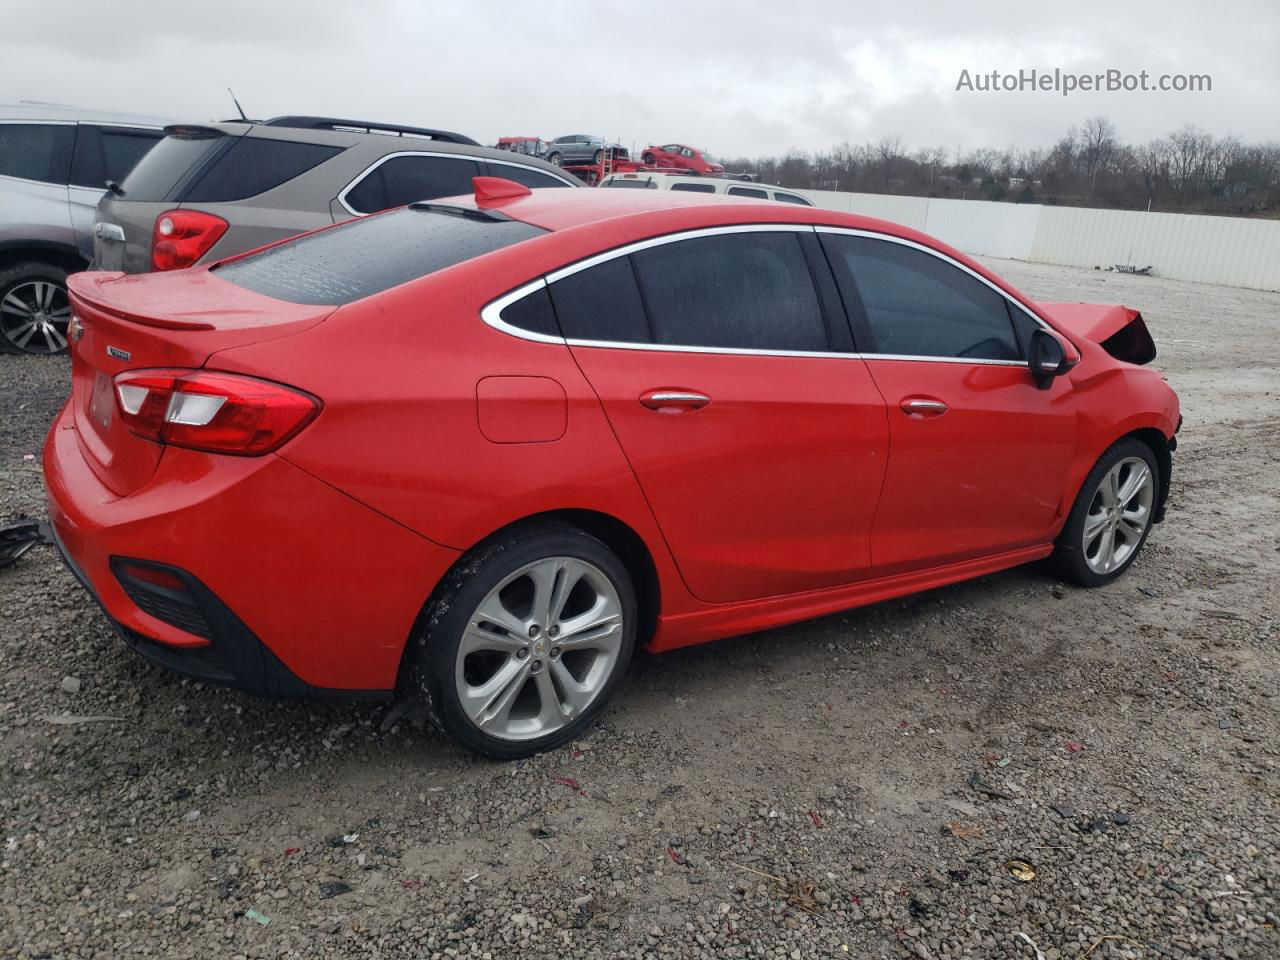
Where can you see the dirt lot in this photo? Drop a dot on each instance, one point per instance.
(807, 792)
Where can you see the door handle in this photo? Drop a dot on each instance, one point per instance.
(674, 401)
(923, 407)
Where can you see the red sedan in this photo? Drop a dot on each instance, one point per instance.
(683, 158)
(488, 446)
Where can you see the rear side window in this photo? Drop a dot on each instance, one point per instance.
(253, 166)
(791, 198)
(633, 184)
(534, 313)
(362, 257)
(748, 192)
(107, 153)
(919, 305)
(172, 162)
(738, 290)
(602, 303)
(409, 179)
(533, 179)
(37, 151)
(694, 187)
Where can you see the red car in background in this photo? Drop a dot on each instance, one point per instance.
(683, 158)
(486, 447)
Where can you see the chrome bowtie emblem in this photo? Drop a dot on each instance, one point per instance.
(75, 329)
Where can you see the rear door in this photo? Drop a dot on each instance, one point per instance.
(757, 436)
(102, 153)
(979, 453)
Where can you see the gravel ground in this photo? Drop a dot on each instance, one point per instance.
(860, 785)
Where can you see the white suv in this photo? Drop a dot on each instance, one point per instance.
(55, 163)
(726, 187)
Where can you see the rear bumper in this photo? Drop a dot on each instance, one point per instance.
(233, 658)
(300, 591)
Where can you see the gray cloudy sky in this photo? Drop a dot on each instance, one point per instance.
(736, 79)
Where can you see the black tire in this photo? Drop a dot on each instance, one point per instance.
(1069, 559)
(649, 159)
(556, 159)
(17, 280)
(599, 157)
(438, 637)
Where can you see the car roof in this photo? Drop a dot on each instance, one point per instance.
(389, 142)
(565, 209)
(35, 111)
(591, 220)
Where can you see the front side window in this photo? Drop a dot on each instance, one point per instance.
(36, 151)
(790, 198)
(410, 179)
(919, 305)
(737, 290)
(694, 187)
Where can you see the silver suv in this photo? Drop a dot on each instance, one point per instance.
(210, 191)
(54, 164)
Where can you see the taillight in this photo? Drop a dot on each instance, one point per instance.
(217, 412)
(181, 237)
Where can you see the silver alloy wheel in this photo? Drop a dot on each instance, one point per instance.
(1119, 515)
(539, 649)
(34, 316)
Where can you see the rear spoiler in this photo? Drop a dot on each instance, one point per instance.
(87, 288)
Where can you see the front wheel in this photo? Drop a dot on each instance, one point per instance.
(555, 158)
(649, 159)
(526, 640)
(1112, 516)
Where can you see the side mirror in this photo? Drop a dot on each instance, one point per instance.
(1048, 358)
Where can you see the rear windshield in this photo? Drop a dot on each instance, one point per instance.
(165, 165)
(363, 257)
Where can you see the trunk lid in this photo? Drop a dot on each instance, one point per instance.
(173, 319)
(1119, 330)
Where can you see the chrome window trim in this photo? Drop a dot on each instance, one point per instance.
(45, 123)
(491, 313)
(359, 177)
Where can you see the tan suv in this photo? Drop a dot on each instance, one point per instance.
(206, 192)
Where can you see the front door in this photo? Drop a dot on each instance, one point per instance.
(979, 454)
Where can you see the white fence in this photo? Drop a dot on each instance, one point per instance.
(1228, 250)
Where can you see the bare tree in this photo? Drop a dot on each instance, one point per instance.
(1097, 147)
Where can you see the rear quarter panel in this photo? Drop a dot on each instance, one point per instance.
(401, 432)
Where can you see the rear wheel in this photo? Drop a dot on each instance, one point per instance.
(526, 640)
(34, 309)
(599, 158)
(1112, 516)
